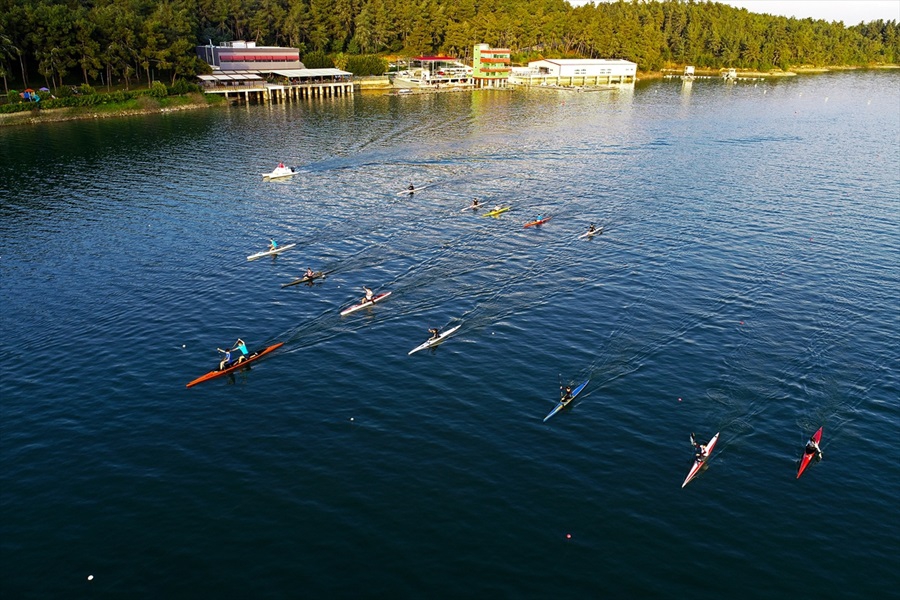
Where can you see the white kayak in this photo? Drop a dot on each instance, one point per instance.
(434, 341)
(279, 172)
(590, 234)
(277, 250)
(412, 191)
(365, 303)
(698, 463)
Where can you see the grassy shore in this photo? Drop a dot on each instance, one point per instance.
(139, 106)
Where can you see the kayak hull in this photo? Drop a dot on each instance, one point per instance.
(237, 365)
(365, 304)
(413, 191)
(496, 212)
(434, 342)
(698, 464)
(564, 403)
(807, 458)
(538, 222)
(271, 252)
(304, 279)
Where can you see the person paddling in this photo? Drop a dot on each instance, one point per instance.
(370, 295)
(435, 333)
(812, 447)
(567, 394)
(240, 345)
(225, 361)
(273, 245)
(699, 449)
(475, 205)
(310, 274)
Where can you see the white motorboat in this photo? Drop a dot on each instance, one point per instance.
(280, 171)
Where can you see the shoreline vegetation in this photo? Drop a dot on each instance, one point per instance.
(52, 46)
(195, 100)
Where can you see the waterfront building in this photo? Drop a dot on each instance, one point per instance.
(572, 72)
(490, 66)
(247, 56)
(245, 71)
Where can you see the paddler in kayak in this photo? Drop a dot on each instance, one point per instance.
(435, 333)
(475, 205)
(813, 448)
(370, 295)
(309, 273)
(592, 229)
(240, 345)
(273, 245)
(225, 361)
(699, 449)
(567, 394)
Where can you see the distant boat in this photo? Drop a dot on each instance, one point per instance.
(279, 172)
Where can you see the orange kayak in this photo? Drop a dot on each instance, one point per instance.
(538, 222)
(237, 365)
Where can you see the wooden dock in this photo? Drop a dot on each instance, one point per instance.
(272, 92)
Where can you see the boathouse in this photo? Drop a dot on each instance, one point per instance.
(570, 72)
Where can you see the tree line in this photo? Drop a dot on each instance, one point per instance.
(110, 41)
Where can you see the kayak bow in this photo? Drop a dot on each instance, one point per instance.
(236, 365)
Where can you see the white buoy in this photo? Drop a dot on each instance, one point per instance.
(90, 577)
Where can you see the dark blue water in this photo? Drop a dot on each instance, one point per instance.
(746, 282)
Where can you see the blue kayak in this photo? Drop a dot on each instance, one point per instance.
(564, 403)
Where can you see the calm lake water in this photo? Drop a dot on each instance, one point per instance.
(746, 282)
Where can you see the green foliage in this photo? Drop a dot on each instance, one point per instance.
(367, 64)
(66, 42)
(13, 97)
(86, 90)
(159, 90)
(317, 60)
(182, 87)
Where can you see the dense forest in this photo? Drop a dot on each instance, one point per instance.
(124, 41)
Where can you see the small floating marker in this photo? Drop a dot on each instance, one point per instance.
(679, 399)
(183, 346)
(742, 322)
(351, 418)
(90, 577)
(568, 536)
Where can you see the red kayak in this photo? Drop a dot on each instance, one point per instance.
(807, 457)
(538, 222)
(237, 365)
(695, 467)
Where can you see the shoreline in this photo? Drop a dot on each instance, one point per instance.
(192, 102)
(83, 113)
